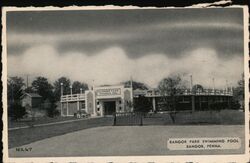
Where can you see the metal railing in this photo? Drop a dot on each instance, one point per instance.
(73, 97)
(196, 92)
(81, 97)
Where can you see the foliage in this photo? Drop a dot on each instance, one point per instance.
(29, 90)
(136, 85)
(15, 88)
(169, 88)
(17, 111)
(239, 94)
(76, 86)
(43, 88)
(52, 111)
(57, 87)
(197, 87)
(142, 104)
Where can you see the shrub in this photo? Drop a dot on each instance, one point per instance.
(17, 111)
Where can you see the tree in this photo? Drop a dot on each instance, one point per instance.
(29, 90)
(15, 88)
(43, 87)
(57, 87)
(169, 88)
(76, 86)
(136, 85)
(51, 110)
(197, 87)
(14, 93)
(239, 94)
(18, 111)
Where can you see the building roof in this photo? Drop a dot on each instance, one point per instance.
(35, 95)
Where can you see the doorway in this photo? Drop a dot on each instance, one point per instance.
(109, 107)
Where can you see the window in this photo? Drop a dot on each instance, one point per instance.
(83, 105)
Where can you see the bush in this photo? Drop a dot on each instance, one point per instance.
(17, 111)
(52, 111)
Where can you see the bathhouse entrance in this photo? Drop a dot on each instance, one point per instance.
(109, 107)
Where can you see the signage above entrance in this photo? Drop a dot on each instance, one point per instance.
(108, 92)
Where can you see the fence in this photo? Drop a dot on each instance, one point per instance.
(139, 119)
(128, 119)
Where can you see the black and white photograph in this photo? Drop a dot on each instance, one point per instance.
(125, 82)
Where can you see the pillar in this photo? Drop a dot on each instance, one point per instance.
(61, 108)
(78, 105)
(200, 102)
(229, 102)
(67, 108)
(193, 103)
(154, 107)
(101, 108)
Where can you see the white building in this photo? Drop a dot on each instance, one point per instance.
(99, 101)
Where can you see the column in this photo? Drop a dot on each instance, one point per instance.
(101, 107)
(200, 98)
(94, 104)
(154, 107)
(193, 103)
(78, 107)
(61, 108)
(67, 108)
(229, 102)
(61, 99)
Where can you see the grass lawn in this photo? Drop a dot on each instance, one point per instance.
(129, 140)
(38, 120)
(28, 135)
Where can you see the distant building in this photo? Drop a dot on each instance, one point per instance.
(32, 103)
(32, 100)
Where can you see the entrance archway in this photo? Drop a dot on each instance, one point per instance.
(109, 107)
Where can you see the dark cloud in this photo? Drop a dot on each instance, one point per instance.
(62, 21)
(138, 32)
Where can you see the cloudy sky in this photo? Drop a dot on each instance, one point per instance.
(109, 46)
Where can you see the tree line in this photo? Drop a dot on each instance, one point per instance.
(168, 87)
(50, 93)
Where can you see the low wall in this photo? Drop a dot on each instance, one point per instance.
(211, 117)
(224, 117)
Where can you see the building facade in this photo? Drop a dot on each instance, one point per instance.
(99, 101)
(32, 100)
(107, 100)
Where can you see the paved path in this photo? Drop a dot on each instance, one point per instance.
(128, 140)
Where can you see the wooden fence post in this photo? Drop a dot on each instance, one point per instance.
(141, 115)
(114, 119)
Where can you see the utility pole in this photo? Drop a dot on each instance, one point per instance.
(70, 89)
(192, 97)
(61, 98)
(213, 86)
(131, 82)
(191, 82)
(27, 81)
